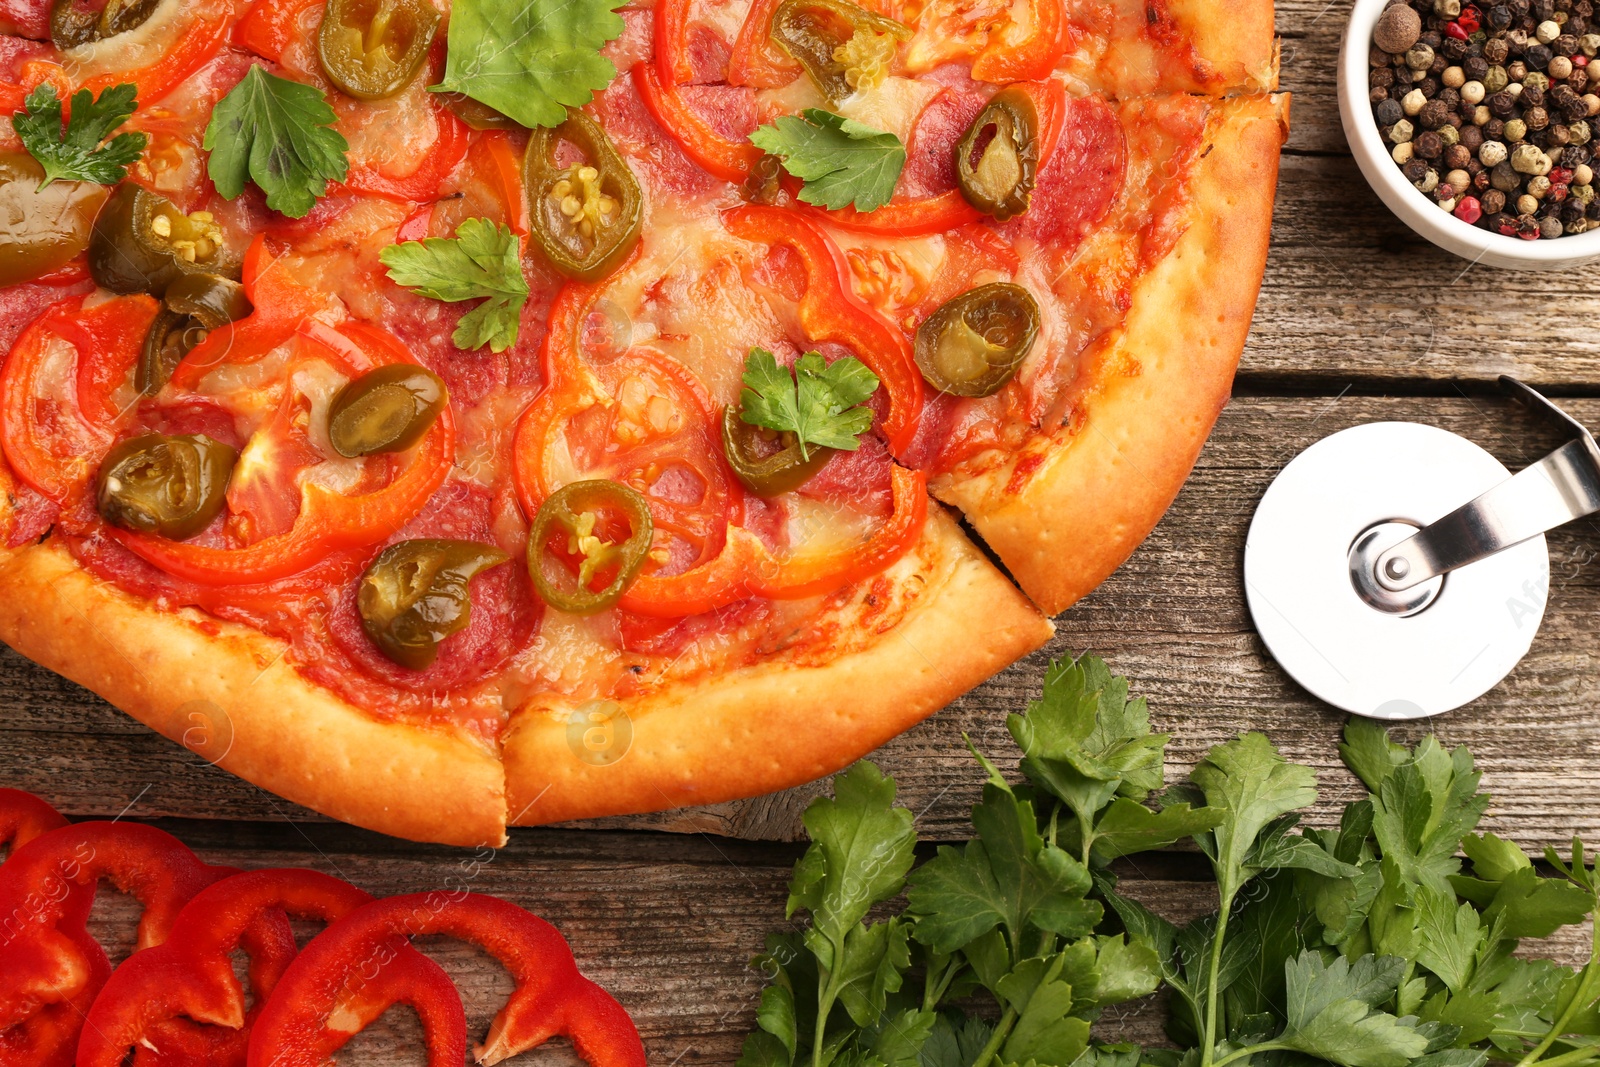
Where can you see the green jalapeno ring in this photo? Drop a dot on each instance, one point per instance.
(973, 344)
(72, 26)
(45, 228)
(170, 486)
(809, 31)
(416, 593)
(601, 196)
(780, 472)
(1000, 182)
(572, 509)
(195, 304)
(385, 410)
(371, 49)
(142, 243)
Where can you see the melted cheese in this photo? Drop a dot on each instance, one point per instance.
(893, 106)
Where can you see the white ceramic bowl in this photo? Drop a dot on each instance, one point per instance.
(1414, 208)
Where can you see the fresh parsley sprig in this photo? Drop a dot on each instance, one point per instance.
(1367, 945)
(75, 152)
(482, 261)
(277, 133)
(530, 59)
(841, 161)
(819, 402)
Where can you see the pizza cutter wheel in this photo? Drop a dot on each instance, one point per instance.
(1378, 590)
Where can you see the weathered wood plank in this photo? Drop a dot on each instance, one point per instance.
(1173, 619)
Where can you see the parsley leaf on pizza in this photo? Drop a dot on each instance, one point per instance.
(480, 261)
(530, 59)
(75, 153)
(277, 133)
(841, 161)
(818, 402)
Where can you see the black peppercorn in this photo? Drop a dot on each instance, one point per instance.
(1527, 226)
(1501, 222)
(1471, 138)
(1499, 17)
(1565, 45)
(1429, 86)
(1493, 201)
(1538, 56)
(1572, 211)
(1502, 105)
(1415, 170)
(1380, 79)
(1536, 118)
(1428, 144)
(1456, 157)
(1432, 115)
(1377, 95)
(1557, 136)
(1476, 68)
(1542, 10)
(1388, 113)
(1574, 156)
(1532, 96)
(1480, 180)
(1504, 178)
(1592, 208)
(1495, 50)
(1437, 67)
(1494, 130)
(1453, 49)
(1453, 120)
(1431, 38)
(1450, 98)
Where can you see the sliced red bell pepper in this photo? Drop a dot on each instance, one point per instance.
(493, 155)
(191, 977)
(107, 339)
(279, 306)
(804, 574)
(830, 311)
(269, 25)
(754, 61)
(449, 148)
(667, 40)
(328, 520)
(551, 998)
(1030, 59)
(717, 155)
(192, 48)
(24, 817)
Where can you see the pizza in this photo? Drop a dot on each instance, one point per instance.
(548, 409)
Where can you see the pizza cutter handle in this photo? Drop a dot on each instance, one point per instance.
(1563, 486)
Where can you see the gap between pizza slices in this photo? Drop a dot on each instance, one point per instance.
(349, 613)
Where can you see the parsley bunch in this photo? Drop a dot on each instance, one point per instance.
(1369, 945)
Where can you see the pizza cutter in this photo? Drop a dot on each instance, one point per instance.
(1378, 590)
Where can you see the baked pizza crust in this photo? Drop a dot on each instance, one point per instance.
(771, 726)
(225, 691)
(1160, 380)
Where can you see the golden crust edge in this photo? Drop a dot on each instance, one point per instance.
(720, 739)
(1102, 490)
(277, 730)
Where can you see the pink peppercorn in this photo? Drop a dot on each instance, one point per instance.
(1468, 209)
(1580, 60)
(1561, 176)
(1456, 30)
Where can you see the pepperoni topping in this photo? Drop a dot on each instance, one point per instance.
(1081, 179)
(931, 156)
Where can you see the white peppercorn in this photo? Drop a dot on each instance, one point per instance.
(1526, 205)
(1455, 77)
(1589, 44)
(1582, 174)
(1538, 186)
(1460, 179)
(1403, 152)
(1529, 159)
(1547, 31)
(1560, 67)
(1492, 152)
(1472, 92)
(1448, 203)
(1481, 115)
(1419, 57)
(1412, 102)
(1401, 132)
(1579, 133)
(1447, 9)
(1516, 130)
(1429, 182)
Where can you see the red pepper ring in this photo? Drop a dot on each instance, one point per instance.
(24, 817)
(328, 521)
(717, 155)
(551, 997)
(830, 311)
(151, 999)
(449, 148)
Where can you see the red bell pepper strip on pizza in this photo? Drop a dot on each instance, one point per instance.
(754, 60)
(1034, 56)
(551, 998)
(327, 520)
(422, 184)
(193, 46)
(279, 307)
(717, 155)
(830, 311)
(149, 1000)
(34, 417)
(269, 25)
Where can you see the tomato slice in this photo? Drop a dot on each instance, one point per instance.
(327, 520)
(53, 443)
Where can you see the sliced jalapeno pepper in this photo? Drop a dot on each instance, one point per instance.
(141, 243)
(73, 24)
(385, 410)
(576, 522)
(973, 344)
(171, 486)
(195, 305)
(998, 158)
(374, 48)
(843, 47)
(767, 467)
(41, 230)
(586, 217)
(417, 593)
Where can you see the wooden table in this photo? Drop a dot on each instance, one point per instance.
(1359, 320)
